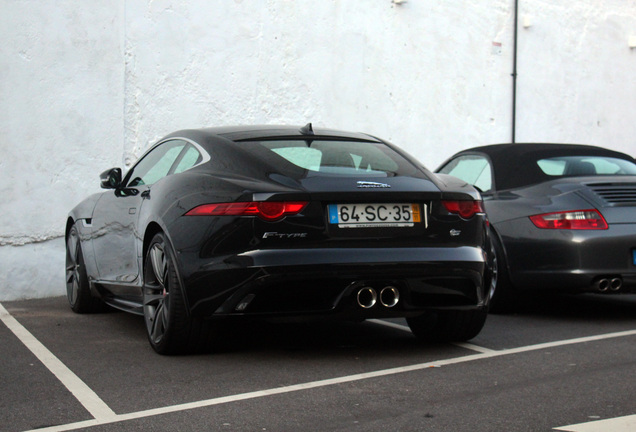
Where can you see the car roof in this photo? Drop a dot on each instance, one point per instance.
(514, 165)
(256, 132)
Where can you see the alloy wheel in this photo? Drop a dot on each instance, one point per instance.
(73, 267)
(157, 293)
(494, 272)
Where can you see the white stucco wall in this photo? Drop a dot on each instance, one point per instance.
(61, 121)
(576, 73)
(89, 85)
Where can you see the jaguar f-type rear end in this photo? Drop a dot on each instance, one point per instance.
(287, 223)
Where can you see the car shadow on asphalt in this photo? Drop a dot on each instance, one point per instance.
(561, 316)
(578, 306)
(543, 318)
(112, 326)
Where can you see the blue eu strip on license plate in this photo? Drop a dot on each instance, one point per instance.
(333, 214)
(634, 256)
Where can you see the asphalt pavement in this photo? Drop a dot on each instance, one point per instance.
(560, 363)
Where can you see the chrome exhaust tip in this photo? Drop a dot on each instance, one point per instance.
(389, 296)
(602, 285)
(367, 297)
(616, 284)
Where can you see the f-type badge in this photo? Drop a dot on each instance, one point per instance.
(366, 184)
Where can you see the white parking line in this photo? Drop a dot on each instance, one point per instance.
(618, 424)
(83, 393)
(102, 420)
(473, 347)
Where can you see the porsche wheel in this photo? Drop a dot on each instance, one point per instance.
(448, 325)
(492, 274)
(78, 290)
(502, 295)
(169, 327)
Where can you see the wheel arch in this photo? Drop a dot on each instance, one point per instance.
(498, 241)
(505, 298)
(153, 229)
(69, 223)
(74, 219)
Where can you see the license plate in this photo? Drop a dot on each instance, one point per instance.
(375, 215)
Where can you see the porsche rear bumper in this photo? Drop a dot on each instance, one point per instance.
(570, 260)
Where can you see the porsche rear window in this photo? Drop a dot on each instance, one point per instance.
(339, 157)
(586, 166)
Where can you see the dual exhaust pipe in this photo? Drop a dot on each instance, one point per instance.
(367, 297)
(606, 284)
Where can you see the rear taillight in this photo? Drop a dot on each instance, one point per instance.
(267, 210)
(465, 209)
(575, 220)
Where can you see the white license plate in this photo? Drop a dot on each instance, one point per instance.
(375, 215)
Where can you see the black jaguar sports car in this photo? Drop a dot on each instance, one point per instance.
(563, 217)
(270, 222)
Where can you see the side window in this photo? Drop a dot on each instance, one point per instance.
(473, 169)
(553, 167)
(156, 164)
(190, 158)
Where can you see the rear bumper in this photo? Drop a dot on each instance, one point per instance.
(569, 260)
(326, 282)
(606, 281)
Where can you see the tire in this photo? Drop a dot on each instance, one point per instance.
(78, 290)
(448, 325)
(503, 297)
(169, 327)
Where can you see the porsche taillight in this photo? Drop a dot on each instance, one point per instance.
(266, 210)
(466, 208)
(574, 220)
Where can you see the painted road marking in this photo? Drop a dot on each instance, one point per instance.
(473, 347)
(618, 424)
(83, 393)
(104, 419)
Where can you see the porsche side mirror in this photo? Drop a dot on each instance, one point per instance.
(111, 179)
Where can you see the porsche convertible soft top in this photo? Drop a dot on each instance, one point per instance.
(515, 165)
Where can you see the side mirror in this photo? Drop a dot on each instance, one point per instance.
(111, 179)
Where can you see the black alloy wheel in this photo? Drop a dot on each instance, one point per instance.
(503, 298)
(493, 273)
(78, 290)
(169, 327)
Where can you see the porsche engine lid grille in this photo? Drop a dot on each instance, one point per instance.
(615, 193)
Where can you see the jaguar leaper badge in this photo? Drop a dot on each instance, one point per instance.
(367, 184)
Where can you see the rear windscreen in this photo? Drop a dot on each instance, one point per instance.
(352, 158)
(586, 166)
